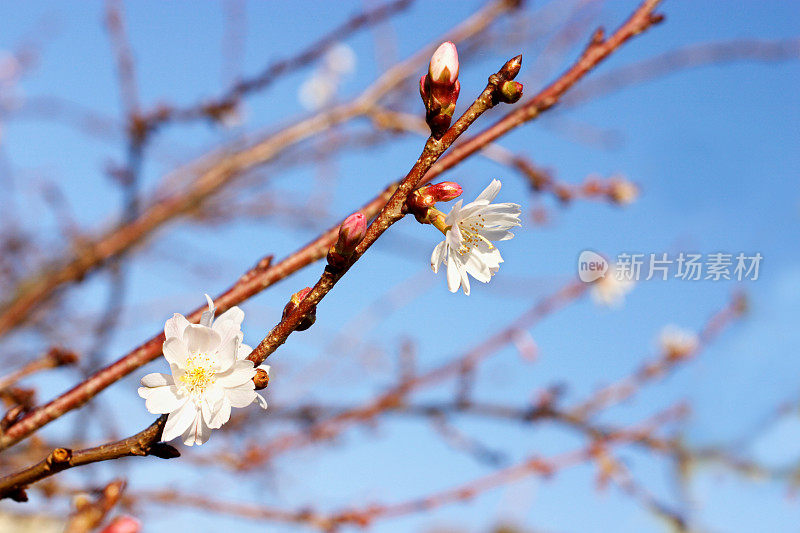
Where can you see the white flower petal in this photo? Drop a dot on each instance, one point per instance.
(197, 433)
(243, 351)
(243, 395)
(497, 234)
(234, 314)
(176, 352)
(464, 281)
(175, 326)
(201, 339)
(261, 401)
(438, 256)
(163, 400)
(221, 415)
(489, 193)
(479, 270)
(239, 373)
(226, 355)
(178, 421)
(157, 379)
(453, 275)
(227, 329)
(454, 213)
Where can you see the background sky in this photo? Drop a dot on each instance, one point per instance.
(714, 150)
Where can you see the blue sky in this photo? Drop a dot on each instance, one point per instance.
(713, 149)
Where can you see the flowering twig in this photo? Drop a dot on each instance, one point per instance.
(258, 279)
(393, 210)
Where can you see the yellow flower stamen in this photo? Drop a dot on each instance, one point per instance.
(198, 375)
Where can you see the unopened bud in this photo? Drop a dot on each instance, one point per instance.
(444, 191)
(351, 233)
(62, 357)
(443, 68)
(440, 87)
(261, 379)
(294, 302)
(512, 67)
(426, 197)
(510, 92)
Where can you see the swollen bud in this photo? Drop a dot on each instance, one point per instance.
(444, 191)
(426, 197)
(294, 302)
(510, 92)
(351, 233)
(440, 87)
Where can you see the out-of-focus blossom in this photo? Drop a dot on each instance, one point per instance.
(622, 191)
(677, 343)
(340, 59)
(610, 290)
(320, 89)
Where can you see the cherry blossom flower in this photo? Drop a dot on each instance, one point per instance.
(210, 374)
(469, 233)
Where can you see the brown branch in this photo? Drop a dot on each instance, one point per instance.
(144, 443)
(260, 278)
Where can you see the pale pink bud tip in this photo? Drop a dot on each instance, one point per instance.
(123, 524)
(444, 64)
(351, 232)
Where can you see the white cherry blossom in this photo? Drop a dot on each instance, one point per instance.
(469, 233)
(209, 375)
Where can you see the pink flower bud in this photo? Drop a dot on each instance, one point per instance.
(444, 191)
(351, 233)
(423, 199)
(443, 68)
(294, 302)
(123, 524)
